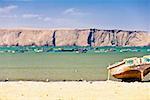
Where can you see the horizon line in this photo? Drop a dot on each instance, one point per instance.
(67, 28)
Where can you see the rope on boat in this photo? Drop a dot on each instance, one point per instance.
(108, 76)
(142, 75)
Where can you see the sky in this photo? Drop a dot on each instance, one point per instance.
(101, 14)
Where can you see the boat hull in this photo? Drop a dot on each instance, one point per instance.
(132, 72)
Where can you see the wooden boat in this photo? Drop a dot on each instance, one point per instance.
(130, 69)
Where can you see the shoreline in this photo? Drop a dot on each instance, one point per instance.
(73, 90)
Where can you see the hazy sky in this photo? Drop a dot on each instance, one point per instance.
(102, 14)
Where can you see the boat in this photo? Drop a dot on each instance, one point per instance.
(130, 69)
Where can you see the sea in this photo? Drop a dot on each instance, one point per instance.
(47, 63)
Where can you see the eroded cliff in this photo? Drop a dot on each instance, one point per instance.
(73, 37)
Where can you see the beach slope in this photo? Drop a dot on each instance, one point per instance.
(102, 90)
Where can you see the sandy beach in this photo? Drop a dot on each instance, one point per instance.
(99, 90)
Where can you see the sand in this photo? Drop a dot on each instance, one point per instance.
(99, 90)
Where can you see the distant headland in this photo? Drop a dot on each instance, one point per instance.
(73, 37)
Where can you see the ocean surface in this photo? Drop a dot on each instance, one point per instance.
(61, 66)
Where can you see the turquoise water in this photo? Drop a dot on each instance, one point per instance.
(60, 65)
(23, 49)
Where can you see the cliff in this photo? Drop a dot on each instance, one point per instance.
(73, 37)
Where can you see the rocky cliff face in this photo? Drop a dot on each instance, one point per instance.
(74, 37)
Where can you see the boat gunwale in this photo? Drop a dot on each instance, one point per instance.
(116, 65)
(123, 62)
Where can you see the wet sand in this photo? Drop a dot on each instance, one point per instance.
(99, 90)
